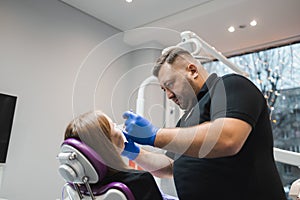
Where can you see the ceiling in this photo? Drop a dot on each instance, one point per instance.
(278, 21)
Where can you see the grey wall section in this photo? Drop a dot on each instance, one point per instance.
(45, 61)
(43, 42)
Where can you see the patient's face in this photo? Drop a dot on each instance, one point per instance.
(116, 136)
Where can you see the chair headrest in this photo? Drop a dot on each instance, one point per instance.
(79, 160)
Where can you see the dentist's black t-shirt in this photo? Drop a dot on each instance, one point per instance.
(251, 174)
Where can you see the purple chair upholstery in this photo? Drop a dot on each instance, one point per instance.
(90, 154)
(100, 168)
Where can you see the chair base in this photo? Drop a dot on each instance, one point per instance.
(70, 193)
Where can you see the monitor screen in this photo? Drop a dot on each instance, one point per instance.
(7, 110)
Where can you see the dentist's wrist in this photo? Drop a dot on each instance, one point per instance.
(155, 138)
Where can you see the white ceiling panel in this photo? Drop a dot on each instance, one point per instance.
(124, 16)
(278, 20)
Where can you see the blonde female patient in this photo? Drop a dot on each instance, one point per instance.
(97, 130)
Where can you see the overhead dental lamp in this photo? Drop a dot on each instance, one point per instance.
(194, 44)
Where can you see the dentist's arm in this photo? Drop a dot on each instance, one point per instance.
(157, 164)
(218, 138)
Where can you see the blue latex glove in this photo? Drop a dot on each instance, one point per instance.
(131, 150)
(139, 129)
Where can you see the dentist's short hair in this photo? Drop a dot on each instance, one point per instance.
(169, 56)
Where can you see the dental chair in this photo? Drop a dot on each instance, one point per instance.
(83, 170)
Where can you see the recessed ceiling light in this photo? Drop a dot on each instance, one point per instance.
(128, 1)
(253, 23)
(231, 29)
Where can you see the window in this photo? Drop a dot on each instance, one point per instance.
(276, 72)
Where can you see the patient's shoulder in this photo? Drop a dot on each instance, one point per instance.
(137, 176)
(141, 183)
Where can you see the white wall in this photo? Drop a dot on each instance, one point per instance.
(43, 43)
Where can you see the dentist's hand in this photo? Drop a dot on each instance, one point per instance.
(139, 129)
(131, 150)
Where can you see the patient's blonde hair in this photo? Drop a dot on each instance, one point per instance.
(93, 129)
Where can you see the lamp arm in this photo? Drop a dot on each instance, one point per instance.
(194, 43)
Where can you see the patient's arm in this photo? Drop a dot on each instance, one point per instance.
(157, 164)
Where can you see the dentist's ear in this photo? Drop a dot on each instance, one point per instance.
(193, 70)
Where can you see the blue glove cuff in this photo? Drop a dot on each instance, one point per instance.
(130, 155)
(131, 150)
(148, 140)
(152, 138)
